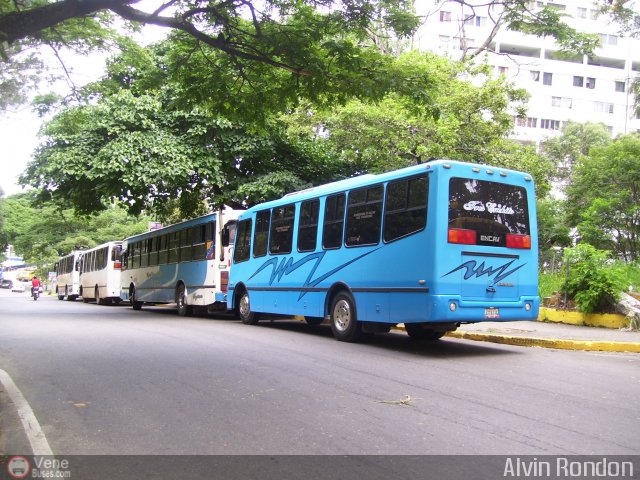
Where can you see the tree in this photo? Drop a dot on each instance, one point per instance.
(553, 229)
(138, 151)
(541, 20)
(43, 233)
(303, 39)
(604, 197)
(458, 113)
(576, 140)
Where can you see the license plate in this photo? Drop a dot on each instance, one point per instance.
(491, 313)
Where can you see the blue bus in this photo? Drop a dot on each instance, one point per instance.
(430, 246)
(186, 264)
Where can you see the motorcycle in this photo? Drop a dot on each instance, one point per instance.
(35, 293)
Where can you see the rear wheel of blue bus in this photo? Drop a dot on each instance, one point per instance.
(344, 322)
(244, 310)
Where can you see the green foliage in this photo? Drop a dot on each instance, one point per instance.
(591, 280)
(566, 150)
(553, 229)
(604, 197)
(42, 233)
(549, 283)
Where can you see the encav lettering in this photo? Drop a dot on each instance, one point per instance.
(565, 467)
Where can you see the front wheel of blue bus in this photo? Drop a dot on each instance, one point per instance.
(344, 323)
(244, 310)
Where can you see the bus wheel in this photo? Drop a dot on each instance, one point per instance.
(184, 310)
(70, 298)
(344, 324)
(418, 331)
(244, 309)
(99, 301)
(60, 297)
(134, 303)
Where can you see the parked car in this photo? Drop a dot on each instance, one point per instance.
(17, 287)
(6, 283)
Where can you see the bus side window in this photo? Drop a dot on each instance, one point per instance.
(243, 241)
(405, 208)
(364, 216)
(261, 233)
(162, 249)
(333, 221)
(308, 226)
(281, 231)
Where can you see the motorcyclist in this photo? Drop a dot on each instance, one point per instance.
(35, 285)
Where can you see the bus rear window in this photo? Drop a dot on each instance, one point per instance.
(488, 213)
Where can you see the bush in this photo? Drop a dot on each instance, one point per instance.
(549, 283)
(592, 280)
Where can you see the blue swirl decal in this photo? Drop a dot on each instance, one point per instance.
(473, 269)
(286, 266)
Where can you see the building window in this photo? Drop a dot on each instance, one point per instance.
(549, 124)
(557, 6)
(594, 14)
(603, 107)
(582, 12)
(503, 70)
(620, 86)
(529, 122)
(535, 75)
(606, 39)
(475, 21)
(578, 81)
(547, 78)
(445, 16)
(556, 101)
(591, 82)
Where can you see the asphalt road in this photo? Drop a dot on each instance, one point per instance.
(108, 380)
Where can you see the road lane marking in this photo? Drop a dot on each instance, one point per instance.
(35, 435)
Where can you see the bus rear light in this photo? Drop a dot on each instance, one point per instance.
(224, 281)
(117, 265)
(518, 241)
(460, 235)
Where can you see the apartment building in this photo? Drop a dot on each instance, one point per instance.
(562, 88)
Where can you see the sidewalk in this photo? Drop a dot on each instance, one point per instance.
(551, 335)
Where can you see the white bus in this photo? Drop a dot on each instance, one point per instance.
(186, 264)
(100, 274)
(68, 276)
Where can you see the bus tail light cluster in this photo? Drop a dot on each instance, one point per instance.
(117, 265)
(518, 241)
(463, 236)
(470, 237)
(224, 282)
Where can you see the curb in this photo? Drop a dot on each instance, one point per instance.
(562, 344)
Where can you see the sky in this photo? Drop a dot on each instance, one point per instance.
(19, 128)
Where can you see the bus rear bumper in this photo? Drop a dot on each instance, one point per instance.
(452, 308)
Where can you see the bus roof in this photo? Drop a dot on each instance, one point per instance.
(367, 179)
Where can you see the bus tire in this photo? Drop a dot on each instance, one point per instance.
(99, 301)
(344, 322)
(136, 305)
(418, 331)
(244, 310)
(60, 297)
(184, 310)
